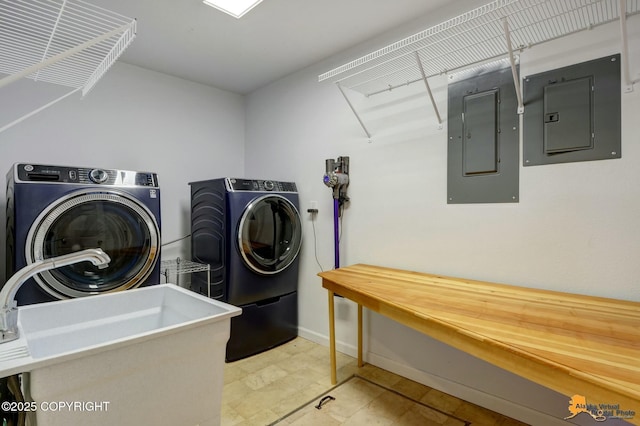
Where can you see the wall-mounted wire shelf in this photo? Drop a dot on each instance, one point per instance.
(66, 42)
(177, 267)
(490, 32)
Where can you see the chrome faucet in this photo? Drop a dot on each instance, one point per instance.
(8, 308)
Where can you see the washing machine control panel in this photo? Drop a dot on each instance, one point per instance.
(80, 175)
(98, 176)
(234, 184)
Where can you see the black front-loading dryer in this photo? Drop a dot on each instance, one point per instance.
(250, 233)
(56, 210)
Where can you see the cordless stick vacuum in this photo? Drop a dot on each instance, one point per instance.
(336, 177)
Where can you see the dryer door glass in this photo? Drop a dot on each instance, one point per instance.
(269, 234)
(112, 221)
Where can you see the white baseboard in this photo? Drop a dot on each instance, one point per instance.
(475, 396)
(323, 340)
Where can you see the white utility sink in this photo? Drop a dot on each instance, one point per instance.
(52, 329)
(155, 355)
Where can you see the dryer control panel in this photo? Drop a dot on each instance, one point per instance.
(234, 184)
(82, 175)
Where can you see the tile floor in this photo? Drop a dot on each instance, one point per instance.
(261, 389)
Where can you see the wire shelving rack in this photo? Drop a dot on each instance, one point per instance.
(65, 42)
(493, 31)
(177, 267)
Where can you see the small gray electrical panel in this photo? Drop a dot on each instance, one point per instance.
(483, 139)
(573, 113)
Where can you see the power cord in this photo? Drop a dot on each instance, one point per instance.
(175, 241)
(313, 213)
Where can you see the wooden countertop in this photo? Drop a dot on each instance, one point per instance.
(570, 343)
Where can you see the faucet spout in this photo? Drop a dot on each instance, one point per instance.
(8, 309)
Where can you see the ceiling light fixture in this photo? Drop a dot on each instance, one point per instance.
(235, 8)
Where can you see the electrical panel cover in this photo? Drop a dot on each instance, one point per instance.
(483, 163)
(573, 113)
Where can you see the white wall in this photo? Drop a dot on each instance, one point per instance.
(134, 119)
(575, 229)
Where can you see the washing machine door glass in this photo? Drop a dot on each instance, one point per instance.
(110, 220)
(269, 234)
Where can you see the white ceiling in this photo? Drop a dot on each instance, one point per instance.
(188, 39)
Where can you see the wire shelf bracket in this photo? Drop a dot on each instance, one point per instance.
(626, 72)
(490, 32)
(65, 42)
(512, 63)
(426, 83)
(355, 112)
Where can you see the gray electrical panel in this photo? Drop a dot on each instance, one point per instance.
(483, 151)
(573, 113)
